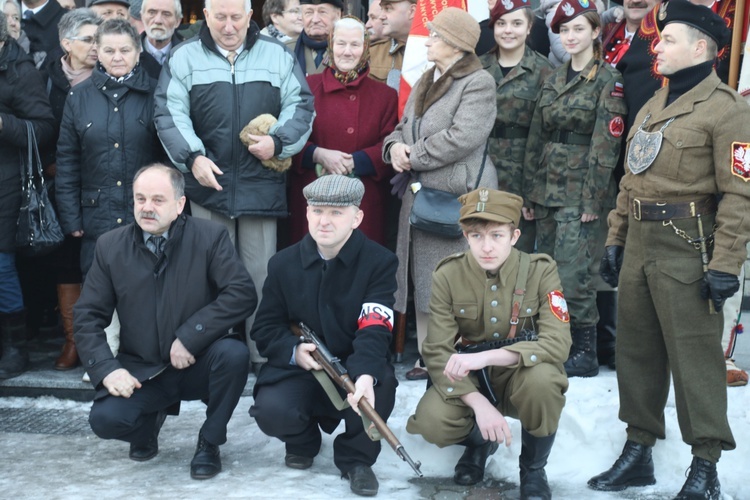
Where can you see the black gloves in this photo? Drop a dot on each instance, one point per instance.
(609, 269)
(719, 286)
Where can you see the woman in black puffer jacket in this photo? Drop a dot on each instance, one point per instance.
(22, 98)
(107, 134)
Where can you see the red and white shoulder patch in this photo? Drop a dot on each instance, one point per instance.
(558, 306)
(374, 314)
(741, 160)
(616, 126)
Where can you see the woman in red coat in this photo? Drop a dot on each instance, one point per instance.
(354, 114)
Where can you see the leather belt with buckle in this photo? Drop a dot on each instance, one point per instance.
(666, 211)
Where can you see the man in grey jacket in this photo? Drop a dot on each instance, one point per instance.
(211, 87)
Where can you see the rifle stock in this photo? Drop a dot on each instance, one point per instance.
(338, 373)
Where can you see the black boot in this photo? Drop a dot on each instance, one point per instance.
(534, 454)
(634, 468)
(14, 360)
(702, 482)
(606, 329)
(206, 462)
(470, 467)
(148, 450)
(582, 361)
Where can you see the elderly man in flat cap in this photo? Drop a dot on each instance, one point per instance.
(677, 243)
(341, 285)
(521, 342)
(318, 18)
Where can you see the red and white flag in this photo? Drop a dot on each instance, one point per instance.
(415, 54)
(743, 85)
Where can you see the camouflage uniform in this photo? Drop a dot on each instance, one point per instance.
(573, 146)
(466, 300)
(517, 95)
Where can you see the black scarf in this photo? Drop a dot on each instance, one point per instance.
(305, 41)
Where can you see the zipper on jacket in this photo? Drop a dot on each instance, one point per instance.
(235, 133)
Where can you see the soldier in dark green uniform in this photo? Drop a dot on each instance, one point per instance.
(475, 300)
(679, 232)
(519, 72)
(572, 149)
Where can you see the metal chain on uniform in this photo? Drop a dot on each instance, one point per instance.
(695, 242)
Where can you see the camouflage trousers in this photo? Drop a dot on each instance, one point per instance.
(574, 245)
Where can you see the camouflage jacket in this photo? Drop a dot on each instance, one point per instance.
(517, 95)
(569, 175)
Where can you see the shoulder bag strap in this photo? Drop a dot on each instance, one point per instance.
(484, 160)
(519, 292)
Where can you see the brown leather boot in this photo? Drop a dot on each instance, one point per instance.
(67, 296)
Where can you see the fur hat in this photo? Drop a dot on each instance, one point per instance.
(260, 125)
(457, 27)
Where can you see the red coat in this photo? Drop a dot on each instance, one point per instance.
(354, 119)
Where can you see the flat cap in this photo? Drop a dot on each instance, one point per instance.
(102, 2)
(569, 10)
(336, 3)
(491, 205)
(334, 191)
(697, 16)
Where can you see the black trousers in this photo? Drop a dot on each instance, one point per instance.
(218, 377)
(297, 408)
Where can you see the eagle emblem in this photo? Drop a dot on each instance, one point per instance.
(741, 160)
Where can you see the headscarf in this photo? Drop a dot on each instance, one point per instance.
(361, 67)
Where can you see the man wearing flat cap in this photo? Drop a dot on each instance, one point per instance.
(522, 339)
(341, 285)
(677, 242)
(111, 9)
(318, 18)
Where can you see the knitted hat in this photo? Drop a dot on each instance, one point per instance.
(569, 10)
(456, 27)
(491, 205)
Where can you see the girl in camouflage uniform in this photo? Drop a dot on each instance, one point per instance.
(519, 72)
(573, 146)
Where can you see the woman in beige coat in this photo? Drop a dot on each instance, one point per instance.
(442, 137)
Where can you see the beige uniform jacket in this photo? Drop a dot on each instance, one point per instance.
(705, 151)
(466, 301)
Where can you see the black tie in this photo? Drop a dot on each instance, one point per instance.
(158, 242)
(27, 14)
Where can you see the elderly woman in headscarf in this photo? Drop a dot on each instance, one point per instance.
(354, 114)
(441, 140)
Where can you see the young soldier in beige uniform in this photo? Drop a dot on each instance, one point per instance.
(474, 300)
(679, 232)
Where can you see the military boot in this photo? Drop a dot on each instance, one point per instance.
(634, 467)
(534, 454)
(14, 360)
(67, 296)
(582, 361)
(606, 329)
(702, 482)
(470, 467)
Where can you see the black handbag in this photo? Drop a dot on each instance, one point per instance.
(436, 211)
(38, 232)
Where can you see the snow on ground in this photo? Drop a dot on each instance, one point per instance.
(589, 439)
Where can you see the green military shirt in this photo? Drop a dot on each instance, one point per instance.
(517, 95)
(466, 301)
(572, 175)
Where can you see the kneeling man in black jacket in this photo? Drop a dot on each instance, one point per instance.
(178, 287)
(341, 285)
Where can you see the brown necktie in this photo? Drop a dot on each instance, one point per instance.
(231, 57)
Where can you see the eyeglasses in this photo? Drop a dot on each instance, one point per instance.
(84, 39)
(295, 12)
